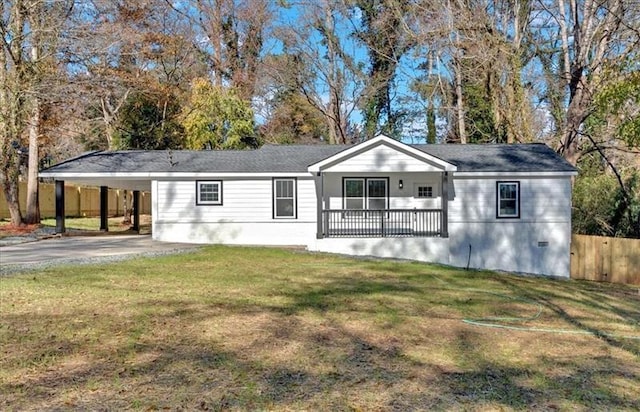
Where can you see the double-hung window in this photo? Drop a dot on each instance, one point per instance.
(284, 198)
(508, 200)
(209, 192)
(366, 193)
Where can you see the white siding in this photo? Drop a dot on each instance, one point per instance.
(245, 216)
(382, 159)
(540, 248)
(537, 242)
(243, 200)
(544, 199)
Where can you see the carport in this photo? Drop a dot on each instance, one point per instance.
(105, 180)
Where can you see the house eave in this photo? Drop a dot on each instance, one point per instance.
(160, 175)
(517, 174)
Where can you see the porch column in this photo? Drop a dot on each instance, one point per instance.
(104, 208)
(444, 223)
(319, 204)
(136, 211)
(60, 228)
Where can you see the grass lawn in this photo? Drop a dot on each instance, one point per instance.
(271, 329)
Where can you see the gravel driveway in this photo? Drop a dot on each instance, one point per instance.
(82, 249)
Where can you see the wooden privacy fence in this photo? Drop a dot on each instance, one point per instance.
(78, 201)
(605, 259)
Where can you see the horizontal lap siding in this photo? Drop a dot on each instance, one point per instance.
(380, 160)
(541, 199)
(243, 200)
(536, 242)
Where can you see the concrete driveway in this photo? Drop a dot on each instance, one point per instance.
(81, 248)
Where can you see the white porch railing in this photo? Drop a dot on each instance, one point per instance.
(382, 223)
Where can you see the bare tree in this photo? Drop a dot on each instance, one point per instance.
(30, 32)
(581, 42)
(322, 67)
(229, 35)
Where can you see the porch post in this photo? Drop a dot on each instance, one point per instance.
(136, 211)
(104, 208)
(444, 224)
(60, 228)
(319, 204)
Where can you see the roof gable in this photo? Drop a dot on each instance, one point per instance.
(381, 154)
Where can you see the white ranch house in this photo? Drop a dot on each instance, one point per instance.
(504, 207)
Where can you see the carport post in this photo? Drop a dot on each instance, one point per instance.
(60, 206)
(136, 211)
(104, 208)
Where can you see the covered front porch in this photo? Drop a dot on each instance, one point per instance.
(383, 205)
(380, 189)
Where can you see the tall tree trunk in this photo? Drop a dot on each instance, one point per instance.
(10, 183)
(431, 123)
(11, 78)
(577, 112)
(462, 130)
(33, 204)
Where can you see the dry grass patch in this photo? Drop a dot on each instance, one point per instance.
(245, 328)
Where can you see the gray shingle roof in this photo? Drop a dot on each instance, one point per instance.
(536, 157)
(296, 158)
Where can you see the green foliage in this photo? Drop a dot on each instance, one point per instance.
(618, 103)
(295, 120)
(385, 40)
(216, 117)
(479, 113)
(431, 125)
(149, 123)
(599, 206)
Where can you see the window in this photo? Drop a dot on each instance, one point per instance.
(424, 191)
(361, 193)
(354, 193)
(508, 199)
(209, 193)
(284, 198)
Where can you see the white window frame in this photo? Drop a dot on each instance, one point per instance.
(430, 187)
(294, 197)
(499, 200)
(199, 192)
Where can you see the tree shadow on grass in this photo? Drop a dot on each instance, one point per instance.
(596, 300)
(321, 347)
